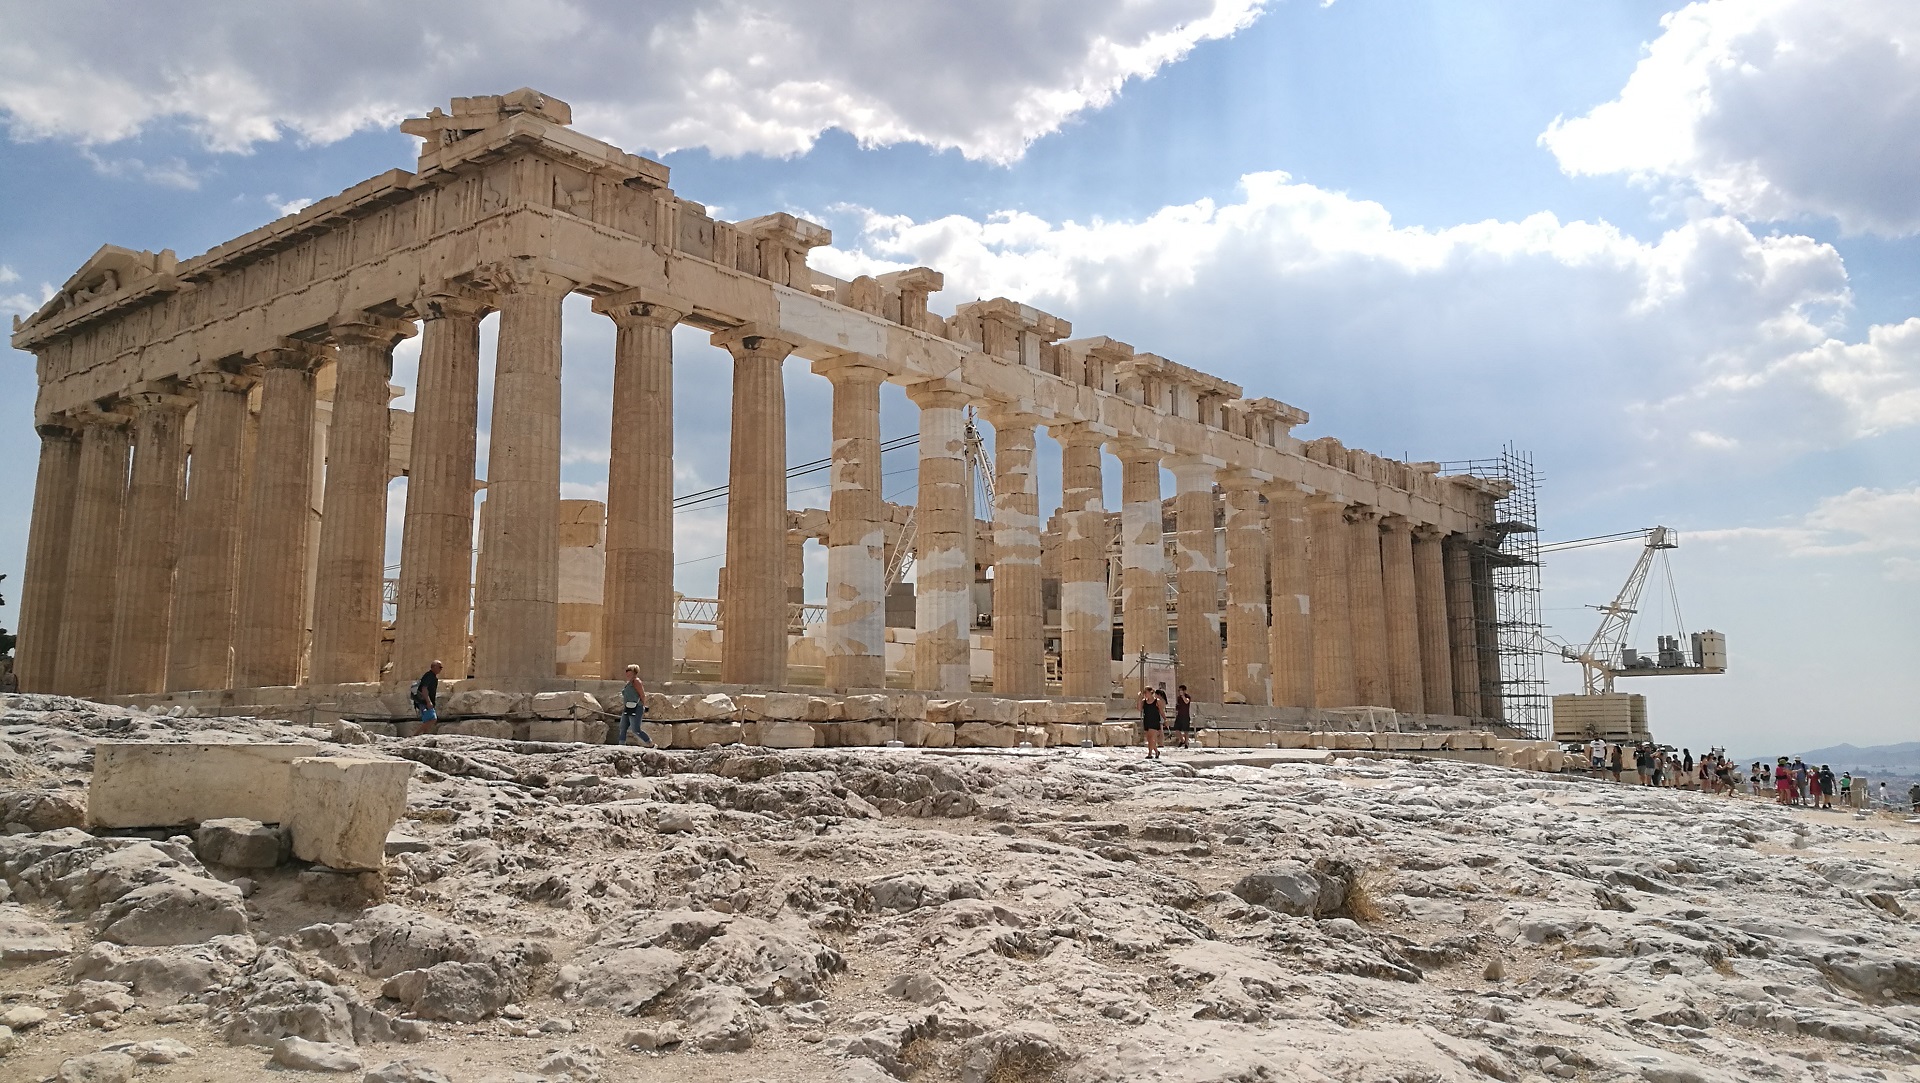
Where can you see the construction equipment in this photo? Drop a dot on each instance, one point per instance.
(1597, 710)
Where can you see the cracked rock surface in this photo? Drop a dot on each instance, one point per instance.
(572, 912)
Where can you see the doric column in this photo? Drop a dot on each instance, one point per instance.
(1430, 602)
(1403, 617)
(1198, 660)
(43, 589)
(1291, 576)
(1462, 638)
(1328, 548)
(1019, 620)
(943, 572)
(753, 593)
(856, 639)
(1368, 597)
(271, 628)
(1143, 560)
(516, 600)
(353, 526)
(435, 594)
(200, 654)
(637, 628)
(1086, 612)
(149, 542)
(1486, 628)
(1247, 651)
(99, 497)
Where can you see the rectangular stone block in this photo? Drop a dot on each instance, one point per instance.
(917, 734)
(155, 784)
(985, 735)
(702, 734)
(863, 708)
(566, 731)
(907, 705)
(1293, 739)
(786, 707)
(341, 808)
(1116, 734)
(497, 728)
(781, 734)
(945, 711)
(565, 705)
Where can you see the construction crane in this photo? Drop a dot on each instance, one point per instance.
(1606, 655)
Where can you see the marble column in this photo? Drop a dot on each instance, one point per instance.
(1198, 660)
(99, 500)
(43, 588)
(353, 527)
(1248, 654)
(271, 627)
(637, 628)
(1019, 620)
(856, 639)
(1368, 599)
(1143, 560)
(206, 579)
(1430, 603)
(1486, 620)
(518, 593)
(435, 595)
(149, 544)
(943, 572)
(1086, 611)
(1462, 638)
(1403, 617)
(1291, 577)
(1332, 604)
(753, 593)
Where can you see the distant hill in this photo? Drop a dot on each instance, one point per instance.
(1903, 757)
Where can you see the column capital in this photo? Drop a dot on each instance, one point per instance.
(208, 381)
(1360, 513)
(1136, 451)
(520, 275)
(447, 301)
(1395, 524)
(292, 353)
(850, 368)
(1077, 434)
(1236, 479)
(1429, 532)
(116, 416)
(643, 306)
(749, 341)
(159, 398)
(62, 427)
(939, 393)
(1191, 470)
(367, 329)
(1285, 491)
(1008, 415)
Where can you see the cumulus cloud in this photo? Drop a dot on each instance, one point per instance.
(1861, 521)
(738, 76)
(1772, 109)
(1707, 338)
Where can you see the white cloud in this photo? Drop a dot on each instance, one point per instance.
(1772, 109)
(1709, 338)
(1860, 521)
(737, 76)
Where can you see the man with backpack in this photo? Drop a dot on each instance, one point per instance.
(426, 696)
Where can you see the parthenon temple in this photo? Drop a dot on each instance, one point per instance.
(217, 443)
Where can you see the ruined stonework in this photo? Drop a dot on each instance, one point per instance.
(212, 395)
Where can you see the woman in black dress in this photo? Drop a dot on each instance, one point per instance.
(1150, 715)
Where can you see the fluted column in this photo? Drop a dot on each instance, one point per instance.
(1290, 638)
(1197, 576)
(1143, 560)
(1086, 612)
(1486, 628)
(435, 595)
(149, 543)
(856, 639)
(43, 588)
(206, 583)
(753, 593)
(353, 524)
(1332, 604)
(99, 498)
(1430, 603)
(943, 573)
(1368, 597)
(1019, 622)
(637, 628)
(1461, 635)
(271, 628)
(1247, 650)
(1402, 615)
(518, 593)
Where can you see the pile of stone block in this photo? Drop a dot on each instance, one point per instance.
(253, 801)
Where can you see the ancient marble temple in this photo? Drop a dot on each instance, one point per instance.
(217, 443)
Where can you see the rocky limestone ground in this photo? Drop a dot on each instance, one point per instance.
(587, 913)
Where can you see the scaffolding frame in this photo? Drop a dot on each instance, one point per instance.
(1507, 596)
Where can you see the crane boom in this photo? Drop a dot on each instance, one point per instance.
(1598, 657)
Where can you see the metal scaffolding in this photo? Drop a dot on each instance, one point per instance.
(1507, 596)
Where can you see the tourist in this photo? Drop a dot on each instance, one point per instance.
(1597, 754)
(426, 696)
(1643, 764)
(1619, 760)
(1783, 782)
(1913, 797)
(1150, 715)
(1827, 786)
(1182, 717)
(1686, 767)
(1799, 781)
(1846, 789)
(633, 709)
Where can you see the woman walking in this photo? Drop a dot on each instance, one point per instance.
(633, 708)
(1150, 716)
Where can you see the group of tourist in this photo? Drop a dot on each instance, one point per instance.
(1713, 772)
(1153, 713)
(1790, 781)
